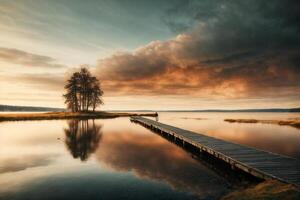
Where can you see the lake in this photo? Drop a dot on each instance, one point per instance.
(117, 159)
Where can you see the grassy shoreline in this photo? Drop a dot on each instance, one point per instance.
(293, 123)
(68, 115)
(267, 190)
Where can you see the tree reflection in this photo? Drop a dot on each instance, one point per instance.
(82, 138)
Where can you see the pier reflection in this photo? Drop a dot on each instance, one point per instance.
(82, 138)
(151, 157)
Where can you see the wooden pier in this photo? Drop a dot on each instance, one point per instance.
(259, 163)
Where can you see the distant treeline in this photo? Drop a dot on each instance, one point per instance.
(7, 108)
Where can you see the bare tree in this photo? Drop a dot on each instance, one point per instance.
(96, 95)
(72, 92)
(83, 91)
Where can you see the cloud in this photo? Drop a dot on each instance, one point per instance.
(231, 49)
(48, 81)
(27, 59)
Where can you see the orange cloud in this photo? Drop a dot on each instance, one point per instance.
(164, 68)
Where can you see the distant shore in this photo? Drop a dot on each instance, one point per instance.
(69, 115)
(12, 108)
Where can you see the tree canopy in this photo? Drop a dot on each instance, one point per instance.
(83, 91)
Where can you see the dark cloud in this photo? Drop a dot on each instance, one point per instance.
(249, 21)
(229, 48)
(27, 59)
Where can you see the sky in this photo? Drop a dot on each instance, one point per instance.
(172, 54)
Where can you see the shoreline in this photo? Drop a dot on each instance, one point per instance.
(69, 115)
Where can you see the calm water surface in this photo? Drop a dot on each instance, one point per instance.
(116, 159)
(101, 159)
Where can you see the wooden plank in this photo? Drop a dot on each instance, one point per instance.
(265, 164)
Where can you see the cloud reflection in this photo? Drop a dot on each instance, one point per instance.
(27, 161)
(152, 157)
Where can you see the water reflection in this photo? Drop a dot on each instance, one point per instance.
(82, 138)
(130, 163)
(150, 157)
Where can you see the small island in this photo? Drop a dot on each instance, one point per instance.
(83, 95)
